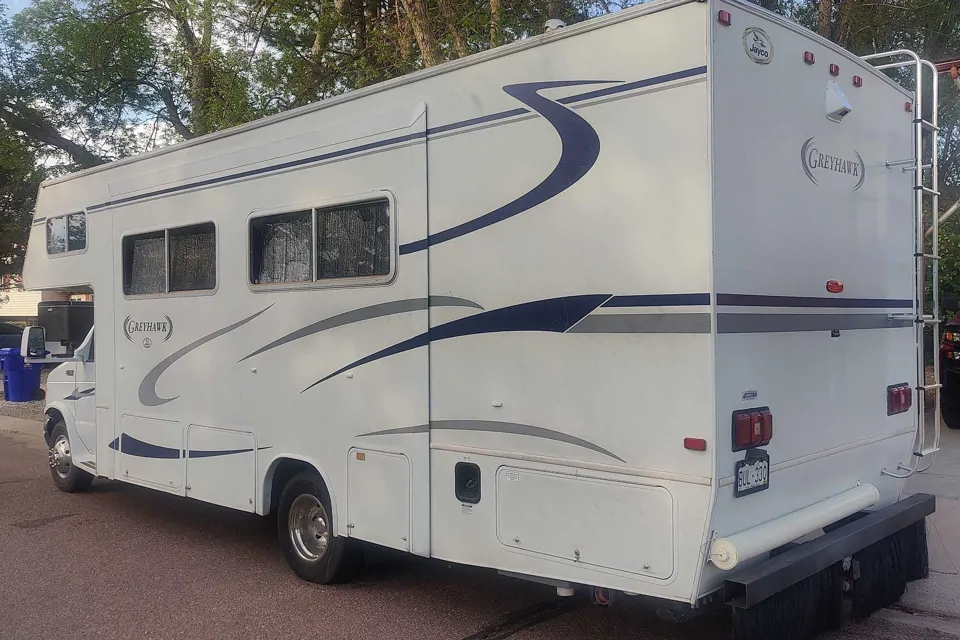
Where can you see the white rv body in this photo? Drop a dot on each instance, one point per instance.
(604, 240)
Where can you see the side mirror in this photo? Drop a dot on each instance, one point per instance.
(33, 342)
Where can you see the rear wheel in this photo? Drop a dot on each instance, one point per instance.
(305, 529)
(66, 475)
(951, 416)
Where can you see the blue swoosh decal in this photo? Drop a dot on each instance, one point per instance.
(555, 315)
(148, 386)
(580, 148)
(128, 445)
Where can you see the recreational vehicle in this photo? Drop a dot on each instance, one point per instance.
(633, 306)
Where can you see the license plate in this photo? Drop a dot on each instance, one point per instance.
(753, 474)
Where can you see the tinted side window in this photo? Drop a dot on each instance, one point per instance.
(144, 264)
(193, 258)
(56, 234)
(354, 240)
(76, 232)
(281, 249)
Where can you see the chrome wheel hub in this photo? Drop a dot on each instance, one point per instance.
(308, 527)
(59, 456)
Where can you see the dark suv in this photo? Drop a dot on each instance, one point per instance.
(950, 373)
(10, 335)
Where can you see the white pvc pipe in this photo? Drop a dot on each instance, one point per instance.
(727, 553)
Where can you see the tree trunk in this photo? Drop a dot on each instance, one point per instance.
(35, 127)
(453, 26)
(824, 17)
(422, 31)
(555, 10)
(495, 39)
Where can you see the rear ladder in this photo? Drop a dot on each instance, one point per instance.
(926, 187)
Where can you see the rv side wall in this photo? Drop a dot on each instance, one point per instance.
(540, 308)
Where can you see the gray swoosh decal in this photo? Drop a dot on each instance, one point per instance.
(148, 391)
(420, 428)
(793, 322)
(367, 313)
(490, 426)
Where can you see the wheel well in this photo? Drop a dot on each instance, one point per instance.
(53, 417)
(283, 470)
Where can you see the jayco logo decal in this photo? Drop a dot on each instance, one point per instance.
(147, 331)
(818, 164)
(757, 44)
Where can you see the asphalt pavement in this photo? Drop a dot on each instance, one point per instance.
(121, 562)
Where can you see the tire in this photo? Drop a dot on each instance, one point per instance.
(67, 476)
(305, 529)
(951, 416)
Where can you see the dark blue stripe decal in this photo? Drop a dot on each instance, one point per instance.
(133, 447)
(744, 300)
(579, 150)
(502, 115)
(493, 117)
(659, 300)
(554, 315)
(253, 172)
(630, 86)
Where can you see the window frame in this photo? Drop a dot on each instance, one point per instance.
(66, 230)
(167, 293)
(318, 205)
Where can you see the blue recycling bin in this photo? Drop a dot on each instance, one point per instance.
(21, 381)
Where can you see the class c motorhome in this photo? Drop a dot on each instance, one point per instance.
(633, 305)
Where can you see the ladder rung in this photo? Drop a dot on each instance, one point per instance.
(928, 320)
(928, 256)
(929, 387)
(926, 452)
(929, 126)
(923, 166)
(926, 190)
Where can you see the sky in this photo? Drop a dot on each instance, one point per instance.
(13, 6)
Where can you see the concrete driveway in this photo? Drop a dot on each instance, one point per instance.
(124, 562)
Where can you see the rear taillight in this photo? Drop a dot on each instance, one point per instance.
(899, 398)
(752, 428)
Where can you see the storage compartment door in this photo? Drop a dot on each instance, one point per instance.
(151, 452)
(614, 525)
(378, 498)
(221, 466)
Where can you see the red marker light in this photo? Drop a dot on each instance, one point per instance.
(834, 286)
(808, 57)
(834, 70)
(857, 81)
(723, 17)
(695, 444)
(908, 106)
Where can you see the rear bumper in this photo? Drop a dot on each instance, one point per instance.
(764, 579)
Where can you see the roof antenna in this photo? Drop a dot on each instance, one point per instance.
(553, 24)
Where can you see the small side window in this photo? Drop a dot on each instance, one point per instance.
(66, 233)
(144, 264)
(56, 235)
(193, 258)
(281, 248)
(76, 232)
(354, 240)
